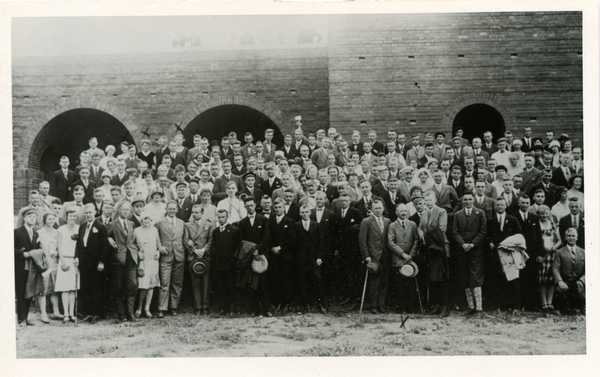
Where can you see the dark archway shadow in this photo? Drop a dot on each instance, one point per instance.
(219, 121)
(478, 118)
(68, 134)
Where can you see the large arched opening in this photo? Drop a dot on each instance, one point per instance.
(478, 118)
(68, 133)
(219, 121)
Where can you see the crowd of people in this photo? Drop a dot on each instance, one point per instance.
(425, 225)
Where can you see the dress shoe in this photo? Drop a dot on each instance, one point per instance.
(66, 319)
(29, 323)
(23, 324)
(138, 313)
(469, 312)
(285, 310)
(374, 311)
(147, 314)
(45, 320)
(160, 314)
(323, 309)
(445, 312)
(174, 312)
(436, 310)
(381, 310)
(269, 314)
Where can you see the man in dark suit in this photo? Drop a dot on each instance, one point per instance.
(365, 203)
(527, 140)
(502, 293)
(176, 158)
(356, 145)
(568, 270)
(529, 276)
(345, 231)
(478, 150)
(123, 263)
(511, 200)
(250, 189)
(221, 182)
(121, 176)
(26, 239)
(184, 203)
(456, 181)
(281, 259)
(225, 152)
(255, 228)
(481, 201)
(88, 185)
(62, 181)
(309, 243)
(377, 146)
(573, 220)
(226, 239)
(289, 152)
(163, 149)
(392, 199)
(292, 210)
(96, 170)
(488, 146)
(530, 174)
(469, 230)
(272, 183)
(91, 251)
(548, 187)
(373, 243)
(325, 218)
(562, 174)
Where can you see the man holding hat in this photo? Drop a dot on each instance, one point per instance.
(197, 240)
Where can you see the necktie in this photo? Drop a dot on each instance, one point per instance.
(575, 222)
(343, 213)
(468, 214)
(393, 196)
(222, 229)
(30, 232)
(124, 225)
(402, 224)
(380, 223)
(567, 174)
(87, 234)
(501, 223)
(306, 225)
(573, 254)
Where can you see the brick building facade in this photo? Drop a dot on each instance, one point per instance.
(412, 72)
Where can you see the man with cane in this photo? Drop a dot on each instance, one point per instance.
(372, 240)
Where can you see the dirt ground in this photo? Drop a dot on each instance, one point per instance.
(339, 333)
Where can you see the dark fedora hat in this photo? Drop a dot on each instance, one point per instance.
(199, 267)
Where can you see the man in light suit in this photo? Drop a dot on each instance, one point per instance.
(432, 233)
(96, 170)
(568, 270)
(481, 201)
(573, 220)
(197, 240)
(446, 197)
(319, 156)
(309, 243)
(469, 230)
(372, 240)
(403, 245)
(577, 163)
(62, 180)
(123, 263)
(171, 264)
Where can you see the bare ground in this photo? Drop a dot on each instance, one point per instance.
(340, 333)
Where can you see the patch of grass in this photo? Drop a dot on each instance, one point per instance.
(343, 349)
(295, 336)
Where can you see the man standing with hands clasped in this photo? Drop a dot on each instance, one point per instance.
(568, 270)
(469, 230)
(373, 247)
(91, 250)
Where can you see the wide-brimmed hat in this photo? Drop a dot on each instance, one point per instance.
(409, 270)
(199, 267)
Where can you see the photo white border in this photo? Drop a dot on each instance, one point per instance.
(588, 365)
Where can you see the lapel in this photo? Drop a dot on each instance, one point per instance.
(376, 226)
(169, 227)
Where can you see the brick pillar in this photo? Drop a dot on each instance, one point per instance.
(24, 180)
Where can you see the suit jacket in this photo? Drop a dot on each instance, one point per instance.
(136, 223)
(514, 203)
(238, 171)
(123, 240)
(291, 154)
(379, 147)
(558, 177)
(24, 244)
(268, 189)
(446, 198)
(532, 233)
(473, 230)
(530, 178)
(293, 212)
(440, 152)
(184, 211)
(496, 236)
(221, 182)
(402, 241)
(434, 224)
(171, 237)
(577, 170)
(486, 206)
(565, 223)
(116, 181)
(364, 209)
(413, 153)
(200, 235)
(345, 230)
(258, 233)
(257, 194)
(179, 159)
(226, 154)
(309, 244)
(493, 149)
(160, 155)
(96, 248)
(372, 241)
(326, 224)
(460, 189)
(564, 268)
(89, 190)
(483, 153)
(96, 178)
(60, 186)
(224, 246)
(391, 205)
(550, 193)
(282, 235)
(526, 148)
(319, 158)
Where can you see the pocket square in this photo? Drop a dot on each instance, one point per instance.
(351, 220)
(94, 230)
(260, 226)
(285, 226)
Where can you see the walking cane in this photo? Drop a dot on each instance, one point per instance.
(419, 295)
(364, 291)
(75, 305)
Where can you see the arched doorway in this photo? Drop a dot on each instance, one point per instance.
(219, 121)
(478, 118)
(68, 134)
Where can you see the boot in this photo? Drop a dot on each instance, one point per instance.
(445, 312)
(130, 303)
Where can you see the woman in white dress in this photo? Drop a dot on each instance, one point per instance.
(48, 237)
(232, 205)
(156, 207)
(67, 279)
(106, 186)
(561, 208)
(423, 179)
(146, 243)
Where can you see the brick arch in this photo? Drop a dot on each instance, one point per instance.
(475, 98)
(38, 121)
(235, 98)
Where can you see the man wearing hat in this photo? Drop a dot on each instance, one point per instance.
(184, 204)
(272, 183)
(137, 206)
(372, 239)
(403, 246)
(197, 240)
(250, 187)
(469, 231)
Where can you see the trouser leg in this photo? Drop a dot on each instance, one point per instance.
(23, 303)
(177, 275)
(164, 273)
